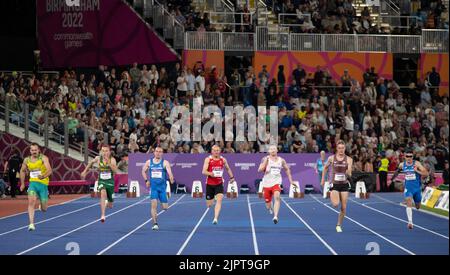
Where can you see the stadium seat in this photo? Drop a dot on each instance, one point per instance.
(180, 187)
(309, 189)
(245, 189)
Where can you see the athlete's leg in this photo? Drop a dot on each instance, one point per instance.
(268, 194)
(218, 206)
(334, 197)
(103, 197)
(209, 196)
(276, 203)
(409, 213)
(154, 209)
(417, 199)
(109, 196)
(209, 203)
(43, 197)
(344, 198)
(31, 205)
(163, 198)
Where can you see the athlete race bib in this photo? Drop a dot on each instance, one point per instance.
(339, 177)
(217, 173)
(157, 174)
(105, 175)
(35, 173)
(275, 171)
(410, 177)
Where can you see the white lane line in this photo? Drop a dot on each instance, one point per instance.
(78, 228)
(419, 210)
(311, 229)
(136, 229)
(396, 218)
(255, 242)
(192, 233)
(59, 204)
(49, 219)
(368, 229)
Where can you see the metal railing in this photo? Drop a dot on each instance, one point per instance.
(52, 128)
(388, 7)
(292, 19)
(399, 21)
(263, 39)
(162, 19)
(229, 18)
(203, 40)
(239, 41)
(435, 41)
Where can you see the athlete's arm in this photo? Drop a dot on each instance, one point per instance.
(83, 174)
(169, 170)
(287, 169)
(144, 171)
(418, 167)
(113, 165)
(48, 168)
(263, 165)
(23, 171)
(227, 167)
(398, 171)
(205, 168)
(325, 169)
(350, 167)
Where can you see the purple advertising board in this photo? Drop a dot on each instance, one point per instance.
(98, 32)
(188, 167)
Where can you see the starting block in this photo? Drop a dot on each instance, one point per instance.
(94, 192)
(232, 190)
(295, 192)
(134, 190)
(360, 190)
(197, 189)
(168, 191)
(260, 190)
(326, 190)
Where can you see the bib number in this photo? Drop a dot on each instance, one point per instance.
(274, 171)
(217, 173)
(156, 174)
(410, 176)
(105, 175)
(339, 177)
(35, 174)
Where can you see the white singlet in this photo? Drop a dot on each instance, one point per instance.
(273, 175)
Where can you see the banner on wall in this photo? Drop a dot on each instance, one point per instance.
(88, 33)
(435, 198)
(442, 201)
(334, 62)
(188, 168)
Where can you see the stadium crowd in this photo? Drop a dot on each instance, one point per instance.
(320, 16)
(133, 106)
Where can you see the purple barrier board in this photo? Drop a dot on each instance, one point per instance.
(188, 167)
(98, 32)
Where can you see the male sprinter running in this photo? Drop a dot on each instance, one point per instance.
(213, 169)
(341, 172)
(155, 172)
(271, 166)
(413, 172)
(38, 167)
(107, 168)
